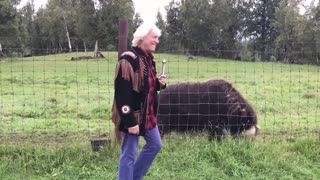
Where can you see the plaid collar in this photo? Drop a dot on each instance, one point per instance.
(141, 52)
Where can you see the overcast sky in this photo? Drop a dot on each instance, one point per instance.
(147, 8)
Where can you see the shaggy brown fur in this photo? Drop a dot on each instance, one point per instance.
(214, 106)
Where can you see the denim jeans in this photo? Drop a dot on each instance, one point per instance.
(132, 168)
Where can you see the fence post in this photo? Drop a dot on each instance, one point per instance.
(1, 53)
(123, 36)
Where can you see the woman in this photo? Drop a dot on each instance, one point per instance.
(135, 104)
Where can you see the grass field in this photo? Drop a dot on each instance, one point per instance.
(182, 157)
(51, 106)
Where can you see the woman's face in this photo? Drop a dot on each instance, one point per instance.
(150, 42)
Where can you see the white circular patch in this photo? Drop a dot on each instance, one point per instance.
(125, 109)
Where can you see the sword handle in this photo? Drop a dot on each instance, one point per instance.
(163, 66)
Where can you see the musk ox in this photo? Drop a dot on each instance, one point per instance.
(214, 106)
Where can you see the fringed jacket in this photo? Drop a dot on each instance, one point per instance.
(131, 98)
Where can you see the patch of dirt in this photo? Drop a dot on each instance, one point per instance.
(86, 58)
(47, 139)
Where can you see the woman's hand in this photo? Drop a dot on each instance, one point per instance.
(134, 130)
(162, 79)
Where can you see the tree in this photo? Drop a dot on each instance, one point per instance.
(9, 24)
(109, 12)
(86, 24)
(210, 27)
(57, 24)
(290, 25)
(40, 37)
(174, 27)
(315, 25)
(161, 24)
(260, 26)
(225, 28)
(195, 15)
(137, 21)
(27, 26)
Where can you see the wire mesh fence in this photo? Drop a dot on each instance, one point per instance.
(54, 98)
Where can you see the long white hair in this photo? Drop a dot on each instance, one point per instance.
(142, 31)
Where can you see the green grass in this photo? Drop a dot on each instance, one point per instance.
(182, 157)
(51, 94)
(50, 107)
(78, 95)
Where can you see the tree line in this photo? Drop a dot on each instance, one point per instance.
(62, 26)
(251, 30)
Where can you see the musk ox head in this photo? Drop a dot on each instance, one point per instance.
(214, 106)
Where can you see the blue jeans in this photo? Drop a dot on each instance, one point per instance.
(131, 168)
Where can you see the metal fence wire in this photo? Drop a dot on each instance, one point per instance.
(61, 96)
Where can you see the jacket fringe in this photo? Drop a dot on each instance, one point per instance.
(116, 121)
(136, 78)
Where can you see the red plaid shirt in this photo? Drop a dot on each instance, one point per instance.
(151, 120)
